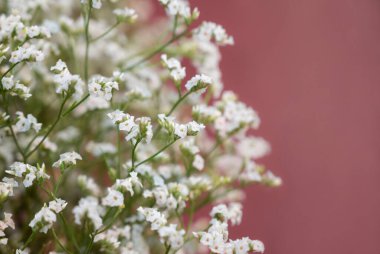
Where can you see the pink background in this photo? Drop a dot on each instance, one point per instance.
(311, 68)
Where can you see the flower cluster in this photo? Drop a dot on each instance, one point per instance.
(45, 218)
(106, 145)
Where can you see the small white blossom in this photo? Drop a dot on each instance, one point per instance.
(198, 162)
(57, 205)
(153, 216)
(15, 88)
(208, 31)
(177, 72)
(126, 15)
(68, 83)
(26, 53)
(198, 83)
(89, 208)
(113, 198)
(24, 124)
(102, 87)
(88, 184)
(43, 220)
(28, 172)
(96, 4)
(67, 159)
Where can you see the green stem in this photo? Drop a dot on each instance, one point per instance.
(28, 154)
(13, 134)
(106, 32)
(180, 99)
(29, 240)
(59, 242)
(168, 249)
(8, 71)
(133, 155)
(218, 142)
(89, 246)
(157, 153)
(75, 105)
(118, 152)
(178, 102)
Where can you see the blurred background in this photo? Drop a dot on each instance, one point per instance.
(311, 68)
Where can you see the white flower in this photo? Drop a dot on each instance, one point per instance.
(15, 88)
(220, 212)
(127, 14)
(113, 198)
(102, 87)
(68, 83)
(153, 216)
(208, 31)
(270, 179)
(193, 128)
(180, 130)
(57, 205)
(67, 159)
(257, 246)
(43, 220)
(198, 83)
(24, 124)
(235, 116)
(89, 208)
(177, 72)
(30, 173)
(26, 53)
(28, 180)
(205, 114)
(145, 129)
(180, 8)
(26, 251)
(88, 184)
(7, 222)
(96, 4)
(253, 147)
(172, 235)
(128, 184)
(198, 162)
(235, 213)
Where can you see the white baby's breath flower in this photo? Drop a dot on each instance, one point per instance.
(198, 83)
(28, 172)
(198, 162)
(43, 220)
(88, 184)
(153, 216)
(89, 208)
(114, 198)
(57, 205)
(126, 15)
(68, 83)
(96, 4)
(102, 87)
(67, 159)
(177, 72)
(15, 88)
(24, 124)
(208, 31)
(26, 53)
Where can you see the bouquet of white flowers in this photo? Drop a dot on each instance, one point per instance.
(106, 144)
